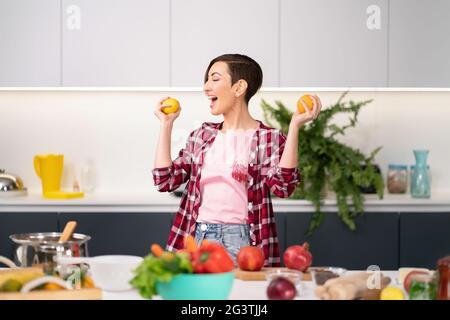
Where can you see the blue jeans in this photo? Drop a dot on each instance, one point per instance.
(231, 236)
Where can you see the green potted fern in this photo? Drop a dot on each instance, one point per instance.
(326, 162)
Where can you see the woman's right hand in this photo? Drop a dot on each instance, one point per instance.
(166, 118)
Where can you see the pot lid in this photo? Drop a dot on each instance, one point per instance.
(10, 182)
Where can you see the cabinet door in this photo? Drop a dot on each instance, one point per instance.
(23, 222)
(203, 29)
(280, 220)
(375, 241)
(328, 43)
(121, 233)
(30, 39)
(115, 43)
(424, 238)
(419, 43)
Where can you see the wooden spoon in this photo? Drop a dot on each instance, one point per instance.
(68, 231)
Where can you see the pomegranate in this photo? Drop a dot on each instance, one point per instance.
(281, 289)
(250, 258)
(298, 257)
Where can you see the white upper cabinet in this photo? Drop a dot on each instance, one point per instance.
(419, 43)
(329, 43)
(163, 43)
(204, 29)
(30, 39)
(116, 42)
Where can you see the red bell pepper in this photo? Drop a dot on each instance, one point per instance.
(211, 257)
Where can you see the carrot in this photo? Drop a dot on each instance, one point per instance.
(156, 250)
(189, 244)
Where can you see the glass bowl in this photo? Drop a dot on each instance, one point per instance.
(320, 275)
(294, 276)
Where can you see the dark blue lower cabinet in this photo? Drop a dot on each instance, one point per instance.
(23, 222)
(121, 233)
(374, 242)
(387, 239)
(280, 220)
(424, 238)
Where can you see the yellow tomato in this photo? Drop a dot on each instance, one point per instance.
(172, 104)
(308, 100)
(391, 293)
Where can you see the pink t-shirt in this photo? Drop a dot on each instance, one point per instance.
(224, 199)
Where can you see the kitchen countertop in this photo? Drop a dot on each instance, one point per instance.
(164, 202)
(249, 290)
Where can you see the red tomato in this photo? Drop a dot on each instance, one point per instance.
(409, 277)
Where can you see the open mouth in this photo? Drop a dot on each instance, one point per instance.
(213, 100)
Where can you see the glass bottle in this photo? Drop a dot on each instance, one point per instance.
(420, 182)
(88, 177)
(444, 278)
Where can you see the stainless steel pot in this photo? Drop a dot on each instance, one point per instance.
(30, 249)
(11, 185)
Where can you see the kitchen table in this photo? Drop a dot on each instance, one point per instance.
(250, 290)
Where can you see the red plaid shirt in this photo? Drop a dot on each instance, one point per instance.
(264, 177)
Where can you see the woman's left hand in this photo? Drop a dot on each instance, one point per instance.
(299, 119)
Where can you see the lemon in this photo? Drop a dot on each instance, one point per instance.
(391, 293)
(308, 100)
(11, 285)
(172, 104)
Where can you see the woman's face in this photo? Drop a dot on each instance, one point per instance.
(218, 89)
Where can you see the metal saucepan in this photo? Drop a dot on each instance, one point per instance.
(31, 249)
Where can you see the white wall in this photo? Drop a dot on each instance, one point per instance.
(118, 131)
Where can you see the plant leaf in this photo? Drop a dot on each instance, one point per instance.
(322, 159)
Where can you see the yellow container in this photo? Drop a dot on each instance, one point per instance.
(63, 195)
(49, 168)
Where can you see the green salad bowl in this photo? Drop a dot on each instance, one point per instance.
(205, 286)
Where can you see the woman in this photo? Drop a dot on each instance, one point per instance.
(230, 167)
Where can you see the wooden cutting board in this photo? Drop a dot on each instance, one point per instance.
(75, 294)
(261, 275)
(81, 294)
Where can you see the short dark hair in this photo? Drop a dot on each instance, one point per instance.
(241, 67)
